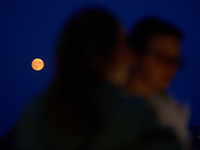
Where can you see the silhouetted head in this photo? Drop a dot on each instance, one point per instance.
(146, 29)
(88, 37)
(89, 43)
(156, 44)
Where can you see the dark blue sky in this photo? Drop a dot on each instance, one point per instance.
(30, 28)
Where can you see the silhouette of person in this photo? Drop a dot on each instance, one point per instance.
(156, 44)
(85, 107)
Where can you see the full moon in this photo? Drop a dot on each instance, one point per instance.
(37, 64)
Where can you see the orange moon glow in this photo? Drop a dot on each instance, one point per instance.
(37, 64)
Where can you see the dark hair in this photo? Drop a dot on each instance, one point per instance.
(146, 29)
(86, 43)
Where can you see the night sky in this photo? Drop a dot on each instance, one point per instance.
(29, 29)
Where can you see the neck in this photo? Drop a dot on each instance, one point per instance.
(116, 76)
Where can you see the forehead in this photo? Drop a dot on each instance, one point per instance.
(165, 43)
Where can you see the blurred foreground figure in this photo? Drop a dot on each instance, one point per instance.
(157, 58)
(85, 108)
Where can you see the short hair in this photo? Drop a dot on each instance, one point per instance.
(144, 30)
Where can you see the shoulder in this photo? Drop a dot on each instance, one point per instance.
(25, 132)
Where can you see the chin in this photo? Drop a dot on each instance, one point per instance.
(163, 87)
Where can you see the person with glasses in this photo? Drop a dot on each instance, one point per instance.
(157, 47)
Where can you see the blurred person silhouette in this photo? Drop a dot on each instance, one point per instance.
(157, 44)
(85, 107)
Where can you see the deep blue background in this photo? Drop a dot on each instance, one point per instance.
(30, 28)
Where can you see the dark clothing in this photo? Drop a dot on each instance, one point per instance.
(119, 123)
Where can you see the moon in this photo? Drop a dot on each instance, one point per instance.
(37, 64)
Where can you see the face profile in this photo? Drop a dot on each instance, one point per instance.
(157, 48)
(161, 61)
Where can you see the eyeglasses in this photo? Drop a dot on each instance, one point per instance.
(167, 60)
